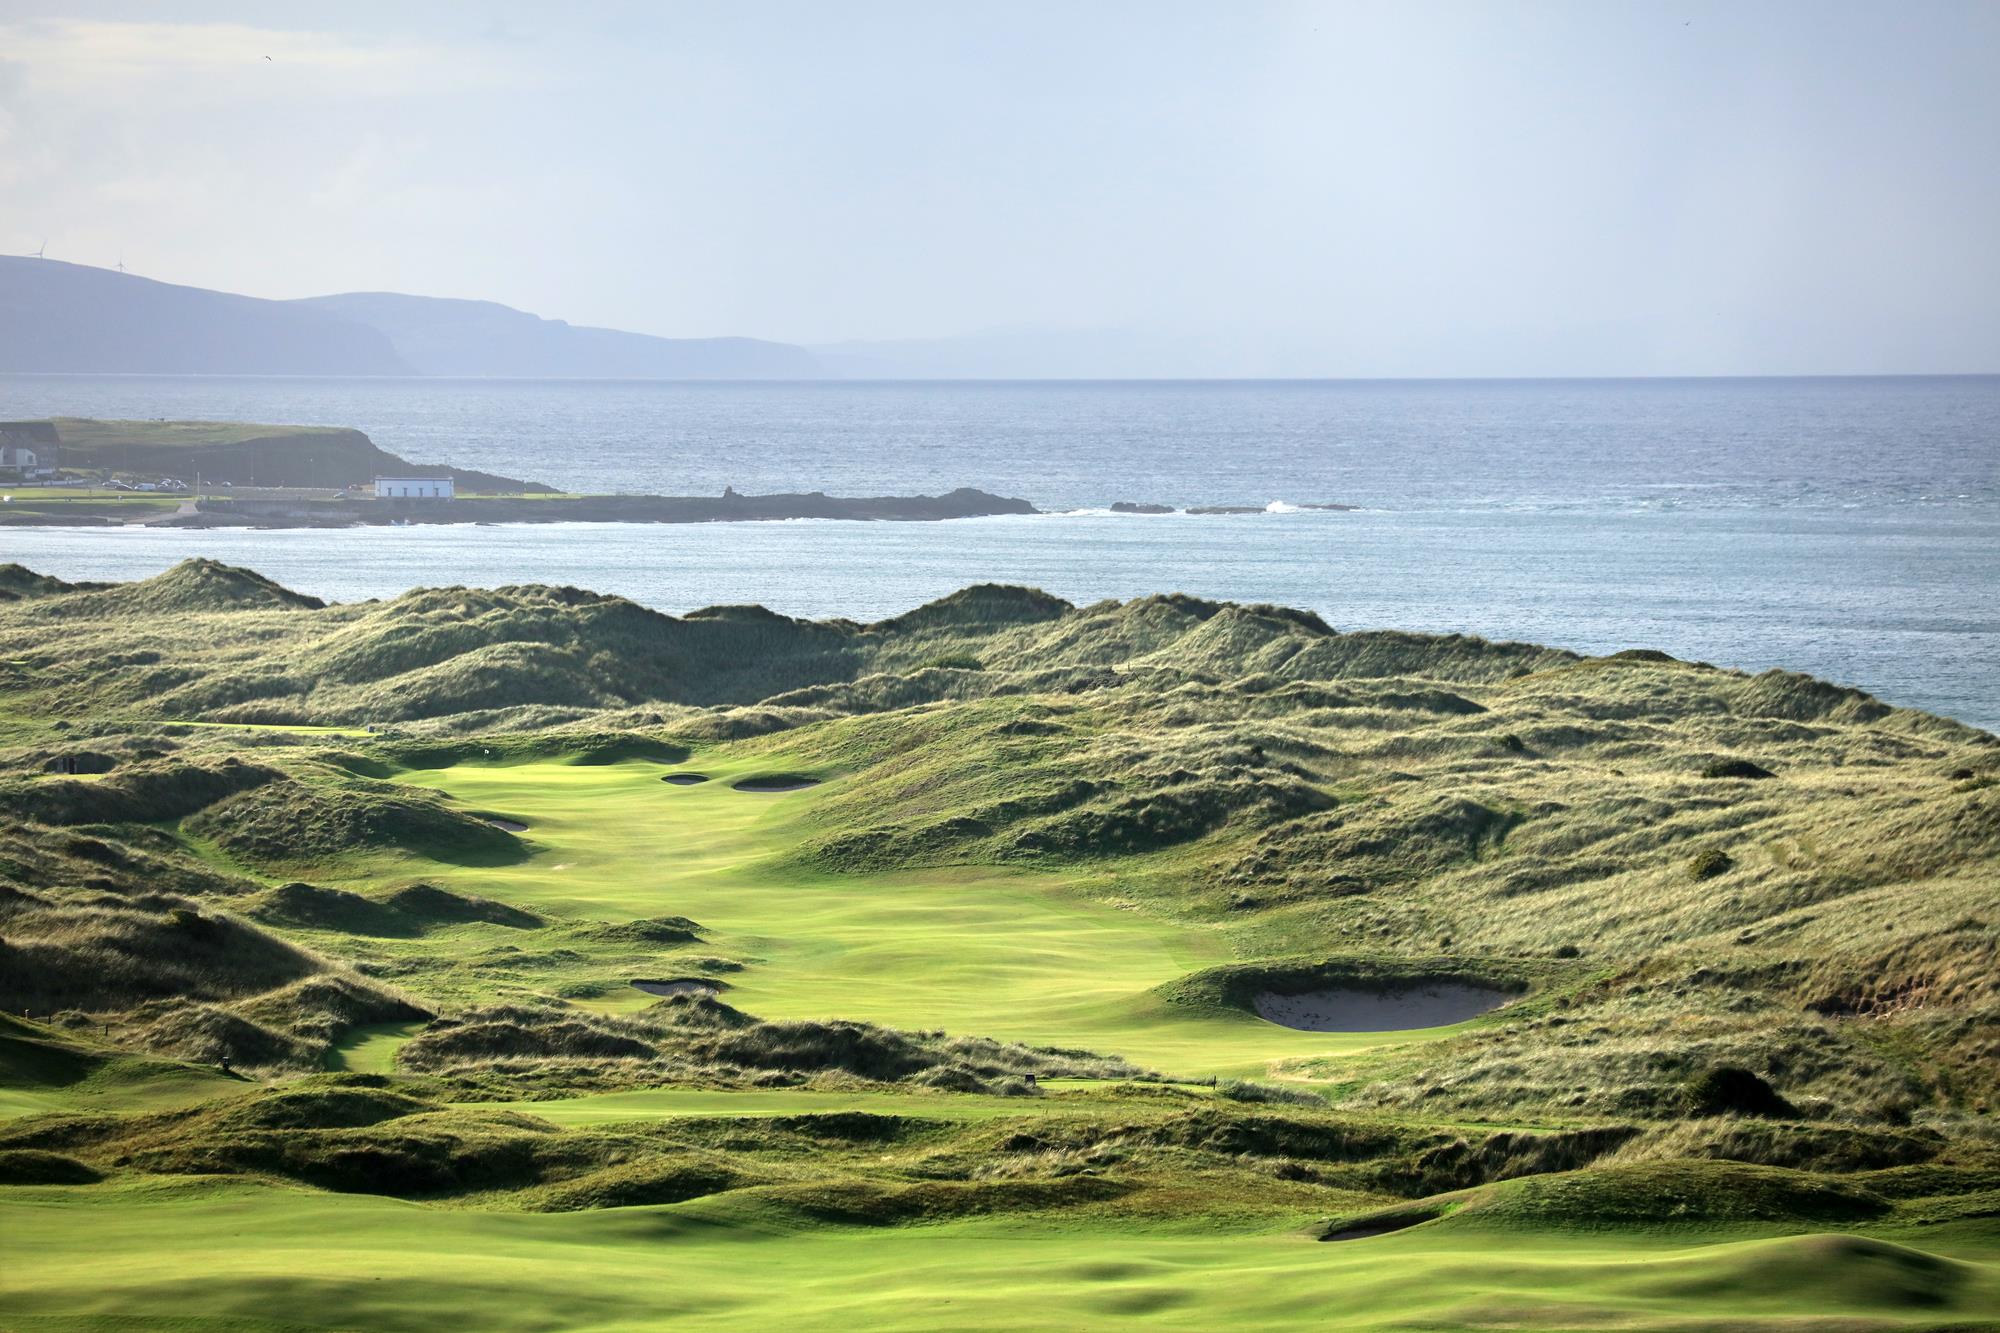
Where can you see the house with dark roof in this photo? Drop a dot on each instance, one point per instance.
(31, 448)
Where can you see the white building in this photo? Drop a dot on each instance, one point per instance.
(31, 448)
(413, 488)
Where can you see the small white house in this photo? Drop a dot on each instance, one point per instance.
(413, 488)
(31, 448)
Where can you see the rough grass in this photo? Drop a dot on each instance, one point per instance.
(1752, 920)
(288, 823)
(694, 1037)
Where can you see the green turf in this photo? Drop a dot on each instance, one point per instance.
(1021, 957)
(371, 1049)
(26, 494)
(192, 1254)
(43, 1072)
(75, 507)
(1098, 828)
(158, 1090)
(85, 434)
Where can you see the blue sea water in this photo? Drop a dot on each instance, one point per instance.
(1845, 527)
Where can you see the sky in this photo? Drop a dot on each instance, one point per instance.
(1231, 188)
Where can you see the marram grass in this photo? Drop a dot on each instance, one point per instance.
(964, 1031)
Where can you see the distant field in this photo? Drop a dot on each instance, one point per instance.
(245, 454)
(28, 494)
(80, 503)
(88, 434)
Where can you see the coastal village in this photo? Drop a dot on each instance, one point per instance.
(193, 474)
(76, 472)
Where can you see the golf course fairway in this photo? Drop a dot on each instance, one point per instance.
(255, 1259)
(523, 959)
(1019, 956)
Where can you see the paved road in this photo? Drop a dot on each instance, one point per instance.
(186, 508)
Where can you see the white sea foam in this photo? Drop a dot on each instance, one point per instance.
(1843, 527)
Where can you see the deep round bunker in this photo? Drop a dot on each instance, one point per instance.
(1395, 1008)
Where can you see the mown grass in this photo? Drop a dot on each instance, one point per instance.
(82, 1256)
(55, 506)
(45, 1071)
(1020, 956)
(1750, 921)
(371, 1048)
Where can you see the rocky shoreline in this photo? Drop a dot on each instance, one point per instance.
(208, 474)
(331, 509)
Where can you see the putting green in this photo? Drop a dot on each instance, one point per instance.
(159, 1253)
(47, 1070)
(975, 950)
(118, 1090)
(371, 1049)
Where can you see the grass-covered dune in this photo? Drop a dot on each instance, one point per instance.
(915, 972)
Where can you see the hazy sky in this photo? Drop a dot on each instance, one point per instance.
(1290, 188)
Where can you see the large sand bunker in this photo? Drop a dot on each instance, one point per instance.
(774, 782)
(1353, 1009)
(685, 779)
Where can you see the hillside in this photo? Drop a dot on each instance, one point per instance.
(247, 454)
(436, 336)
(1165, 939)
(72, 319)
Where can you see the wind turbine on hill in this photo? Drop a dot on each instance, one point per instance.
(38, 250)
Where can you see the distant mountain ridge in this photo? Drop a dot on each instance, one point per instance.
(70, 318)
(441, 336)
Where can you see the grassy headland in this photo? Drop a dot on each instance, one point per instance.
(959, 1022)
(242, 453)
(247, 475)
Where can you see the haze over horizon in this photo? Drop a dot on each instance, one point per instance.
(1279, 189)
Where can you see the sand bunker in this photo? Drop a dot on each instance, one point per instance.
(510, 825)
(1346, 1009)
(776, 782)
(680, 986)
(685, 779)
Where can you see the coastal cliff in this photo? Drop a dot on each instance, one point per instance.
(75, 319)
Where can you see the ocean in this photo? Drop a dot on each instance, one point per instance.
(1849, 528)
